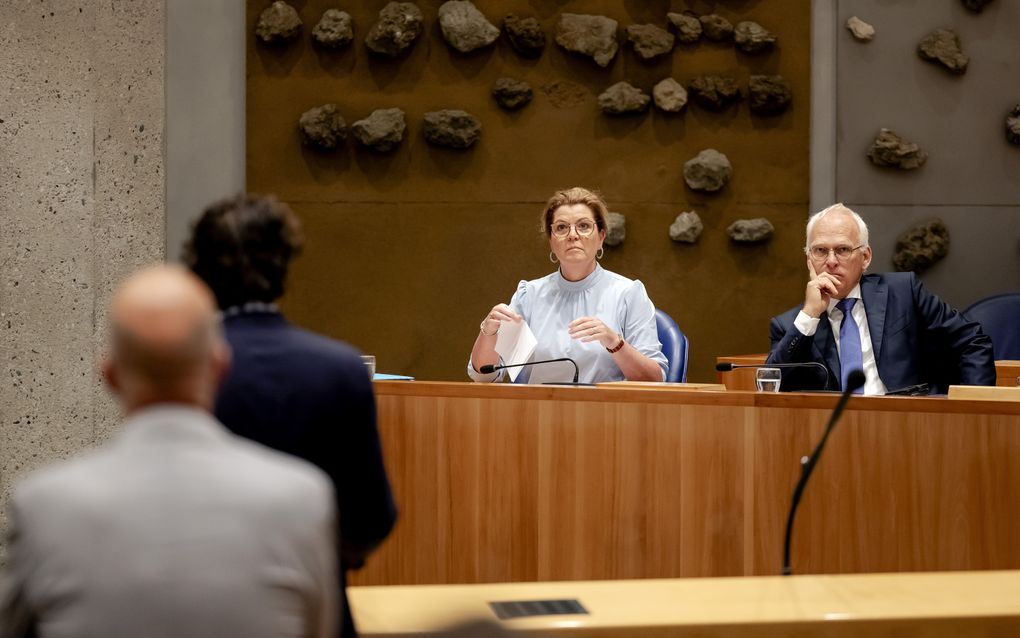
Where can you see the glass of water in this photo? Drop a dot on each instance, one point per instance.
(768, 379)
(369, 361)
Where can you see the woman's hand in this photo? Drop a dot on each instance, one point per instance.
(588, 329)
(498, 314)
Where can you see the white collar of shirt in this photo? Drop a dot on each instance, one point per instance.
(853, 294)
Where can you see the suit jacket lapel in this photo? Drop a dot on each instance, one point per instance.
(875, 294)
(826, 345)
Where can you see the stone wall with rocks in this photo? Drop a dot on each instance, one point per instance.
(971, 178)
(409, 248)
(81, 204)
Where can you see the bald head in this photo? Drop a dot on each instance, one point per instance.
(166, 344)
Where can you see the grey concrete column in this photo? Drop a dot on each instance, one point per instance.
(82, 200)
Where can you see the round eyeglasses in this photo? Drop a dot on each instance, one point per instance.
(842, 253)
(584, 228)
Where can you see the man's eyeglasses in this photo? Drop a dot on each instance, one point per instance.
(584, 228)
(821, 253)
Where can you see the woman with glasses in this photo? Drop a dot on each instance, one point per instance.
(601, 320)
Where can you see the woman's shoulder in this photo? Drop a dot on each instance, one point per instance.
(623, 284)
(536, 285)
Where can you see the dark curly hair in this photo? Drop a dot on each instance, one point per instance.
(241, 248)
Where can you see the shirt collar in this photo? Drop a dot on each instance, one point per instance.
(250, 308)
(853, 294)
(584, 284)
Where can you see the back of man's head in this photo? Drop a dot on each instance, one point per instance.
(241, 247)
(165, 340)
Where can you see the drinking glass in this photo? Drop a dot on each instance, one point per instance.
(369, 361)
(768, 379)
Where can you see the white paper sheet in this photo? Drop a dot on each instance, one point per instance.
(515, 344)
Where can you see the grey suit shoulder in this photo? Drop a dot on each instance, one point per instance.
(176, 527)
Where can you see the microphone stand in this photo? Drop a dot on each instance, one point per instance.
(486, 369)
(726, 367)
(807, 463)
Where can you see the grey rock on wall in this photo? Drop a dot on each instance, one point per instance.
(708, 171)
(322, 127)
(382, 131)
(891, 150)
(750, 231)
(751, 37)
(686, 228)
(714, 92)
(716, 28)
(452, 128)
(278, 24)
(333, 30)
(622, 98)
(768, 94)
(670, 96)
(398, 26)
(511, 94)
(860, 29)
(687, 27)
(616, 229)
(649, 40)
(525, 35)
(1013, 125)
(464, 27)
(942, 46)
(921, 246)
(593, 36)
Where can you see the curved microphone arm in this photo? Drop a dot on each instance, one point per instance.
(807, 463)
(489, 369)
(726, 367)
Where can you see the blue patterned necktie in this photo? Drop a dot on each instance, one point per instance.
(850, 355)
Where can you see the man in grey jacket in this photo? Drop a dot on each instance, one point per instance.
(176, 527)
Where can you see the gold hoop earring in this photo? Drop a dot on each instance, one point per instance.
(552, 257)
(600, 252)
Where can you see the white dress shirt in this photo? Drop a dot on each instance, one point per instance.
(808, 325)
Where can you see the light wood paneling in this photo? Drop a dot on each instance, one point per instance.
(506, 483)
(1007, 372)
(741, 378)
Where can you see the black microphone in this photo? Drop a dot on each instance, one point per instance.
(854, 380)
(489, 369)
(726, 367)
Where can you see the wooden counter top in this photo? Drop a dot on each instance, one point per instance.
(919, 604)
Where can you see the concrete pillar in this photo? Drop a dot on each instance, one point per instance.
(82, 200)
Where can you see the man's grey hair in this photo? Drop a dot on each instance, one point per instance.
(836, 208)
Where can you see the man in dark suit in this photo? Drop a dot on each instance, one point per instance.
(291, 389)
(176, 527)
(887, 325)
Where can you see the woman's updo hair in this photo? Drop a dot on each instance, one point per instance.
(571, 196)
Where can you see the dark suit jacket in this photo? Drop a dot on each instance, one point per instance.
(916, 336)
(310, 396)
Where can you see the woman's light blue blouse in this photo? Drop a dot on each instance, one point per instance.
(549, 305)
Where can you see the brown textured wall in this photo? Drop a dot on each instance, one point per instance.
(406, 252)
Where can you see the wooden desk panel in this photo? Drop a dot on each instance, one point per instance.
(1006, 371)
(505, 483)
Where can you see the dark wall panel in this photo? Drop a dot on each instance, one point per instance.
(407, 251)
